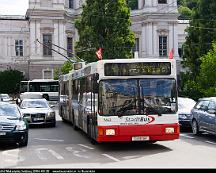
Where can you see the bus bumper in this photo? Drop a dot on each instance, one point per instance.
(138, 133)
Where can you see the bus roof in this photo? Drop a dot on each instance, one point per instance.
(41, 80)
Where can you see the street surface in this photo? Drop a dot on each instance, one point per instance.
(62, 147)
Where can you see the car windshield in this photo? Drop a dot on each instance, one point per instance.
(34, 104)
(137, 96)
(9, 110)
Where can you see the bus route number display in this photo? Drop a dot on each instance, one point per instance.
(135, 69)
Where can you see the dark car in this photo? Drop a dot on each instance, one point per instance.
(204, 116)
(13, 128)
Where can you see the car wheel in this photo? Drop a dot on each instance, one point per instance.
(24, 141)
(195, 127)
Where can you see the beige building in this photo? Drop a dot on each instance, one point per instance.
(155, 23)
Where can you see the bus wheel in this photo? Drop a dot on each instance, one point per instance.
(93, 142)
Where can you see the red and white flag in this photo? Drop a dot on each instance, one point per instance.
(171, 54)
(99, 54)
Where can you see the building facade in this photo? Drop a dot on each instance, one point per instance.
(51, 22)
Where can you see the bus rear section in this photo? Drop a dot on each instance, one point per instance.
(137, 110)
(48, 87)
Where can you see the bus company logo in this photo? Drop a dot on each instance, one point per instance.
(143, 119)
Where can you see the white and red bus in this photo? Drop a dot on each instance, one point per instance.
(123, 100)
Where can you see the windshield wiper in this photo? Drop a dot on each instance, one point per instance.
(152, 109)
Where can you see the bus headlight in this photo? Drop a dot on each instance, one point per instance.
(169, 130)
(110, 132)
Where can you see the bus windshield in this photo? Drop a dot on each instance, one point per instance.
(137, 97)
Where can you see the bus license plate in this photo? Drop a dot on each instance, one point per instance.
(140, 138)
(2, 133)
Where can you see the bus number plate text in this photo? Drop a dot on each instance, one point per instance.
(140, 138)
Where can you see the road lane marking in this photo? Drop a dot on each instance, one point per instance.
(53, 140)
(85, 146)
(77, 153)
(210, 142)
(111, 157)
(41, 156)
(186, 136)
(12, 156)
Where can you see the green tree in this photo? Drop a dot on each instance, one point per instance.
(10, 80)
(185, 8)
(105, 24)
(207, 76)
(66, 68)
(201, 34)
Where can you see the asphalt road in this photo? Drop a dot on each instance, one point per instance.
(62, 147)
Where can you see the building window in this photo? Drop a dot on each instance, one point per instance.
(47, 45)
(70, 47)
(136, 47)
(19, 47)
(133, 4)
(180, 50)
(162, 46)
(71, 4)
(47, 74)
(162, 1)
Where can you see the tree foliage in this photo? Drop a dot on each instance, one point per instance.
(66, 68)
(185, 8)
(207, 76)
(201, 33)
(10, 81)
(105, 24)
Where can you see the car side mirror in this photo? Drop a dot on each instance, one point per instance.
(52, 106)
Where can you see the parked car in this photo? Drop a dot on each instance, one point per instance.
(13, 128)
(185, 106)
(38, 111)
(204, 116)
(5, 98)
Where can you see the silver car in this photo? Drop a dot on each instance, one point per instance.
(185, 106)
(38, 111)
(5, 98)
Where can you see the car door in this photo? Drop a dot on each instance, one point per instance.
(203, 115)
(211, 117)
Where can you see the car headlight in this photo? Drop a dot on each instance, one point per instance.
(21, 126)
(51, 114)
(184, 116)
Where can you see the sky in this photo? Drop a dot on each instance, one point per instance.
(13, 7)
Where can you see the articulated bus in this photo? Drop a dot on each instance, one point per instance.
(122, 100)
(48, 87)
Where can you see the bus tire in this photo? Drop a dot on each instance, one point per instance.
(93, 141)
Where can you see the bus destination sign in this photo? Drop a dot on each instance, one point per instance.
(134, 69)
